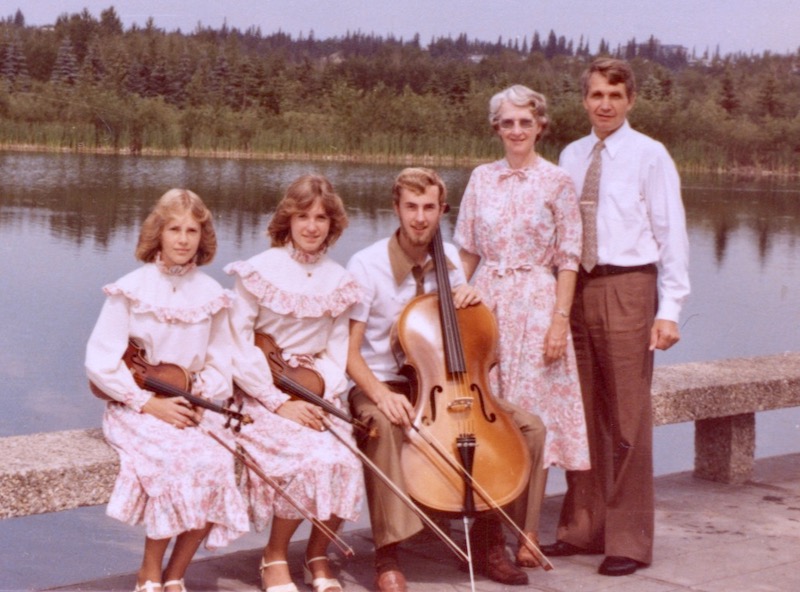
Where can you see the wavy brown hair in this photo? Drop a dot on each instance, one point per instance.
(417, 180)
(300, 197)
(177, 202)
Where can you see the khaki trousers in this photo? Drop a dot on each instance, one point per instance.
(610, 508)
(391, 520)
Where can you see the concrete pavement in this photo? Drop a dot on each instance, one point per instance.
(710, 537)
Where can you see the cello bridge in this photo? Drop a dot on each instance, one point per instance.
(460, 404)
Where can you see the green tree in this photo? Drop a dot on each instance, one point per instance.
(728, 99)
(65, 69)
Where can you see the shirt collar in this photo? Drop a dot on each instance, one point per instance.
(613, 141)
(402, 263)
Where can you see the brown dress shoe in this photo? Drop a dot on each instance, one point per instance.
(497, 566)
(392, 580)
(489, 553)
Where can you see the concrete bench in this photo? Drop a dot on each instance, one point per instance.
(56, 471)
(722, 398)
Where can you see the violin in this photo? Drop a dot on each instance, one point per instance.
(302, 382)
(170, 380)
(449, 353)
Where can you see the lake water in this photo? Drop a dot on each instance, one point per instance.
(69, 224)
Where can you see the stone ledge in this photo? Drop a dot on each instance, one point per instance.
(55, 471)
(722, 388)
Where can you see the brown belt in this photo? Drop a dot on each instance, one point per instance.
(604, 270)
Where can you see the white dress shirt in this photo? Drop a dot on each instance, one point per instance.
(384, 298)
(640, 214)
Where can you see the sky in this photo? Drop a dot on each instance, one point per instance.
(730, 25)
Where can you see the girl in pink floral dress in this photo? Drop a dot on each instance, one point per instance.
(519, 229)
(174, 479)
(302, 298)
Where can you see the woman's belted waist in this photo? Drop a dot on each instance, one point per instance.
(500, 269)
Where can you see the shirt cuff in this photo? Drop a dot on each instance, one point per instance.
(669, 310)
(137, 400)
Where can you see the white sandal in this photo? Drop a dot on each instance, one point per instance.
(319, 584)
(290, 587)
(148, 586)
(175, 583)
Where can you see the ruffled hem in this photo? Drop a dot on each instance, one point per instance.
(164, 314)
(293, 304)
(177, 510)
(336, 491)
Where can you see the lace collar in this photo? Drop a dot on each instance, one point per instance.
(174, 270)
(303, 256)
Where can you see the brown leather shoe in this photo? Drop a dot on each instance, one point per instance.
(489, 553)
(496, 565)
(392, 580)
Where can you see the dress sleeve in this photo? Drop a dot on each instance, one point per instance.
(107, 344)
(332, 362)
(214, 380)
(569, 229)
(250, 368)
(464, 234)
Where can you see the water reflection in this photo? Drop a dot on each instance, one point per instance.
(68, 225)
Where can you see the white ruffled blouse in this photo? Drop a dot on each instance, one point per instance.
(176, 318)
(304, 306)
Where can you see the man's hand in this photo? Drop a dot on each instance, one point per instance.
(396, 407)
(664, 334)
(465, 295)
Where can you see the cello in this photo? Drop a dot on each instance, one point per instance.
(449, 353)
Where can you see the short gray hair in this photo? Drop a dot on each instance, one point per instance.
(520, 96)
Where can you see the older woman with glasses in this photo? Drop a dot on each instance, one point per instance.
(519, 229)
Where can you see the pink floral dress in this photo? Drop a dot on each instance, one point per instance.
(170, 480)
(305, 307)
(525, 225)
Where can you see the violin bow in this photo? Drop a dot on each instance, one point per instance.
(484, 495)
(248, 461)
(399, 493)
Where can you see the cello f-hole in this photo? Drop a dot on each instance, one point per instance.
(490, 417)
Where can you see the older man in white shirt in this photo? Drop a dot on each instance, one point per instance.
(632, 283)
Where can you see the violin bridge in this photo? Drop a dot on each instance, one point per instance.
(460, 404)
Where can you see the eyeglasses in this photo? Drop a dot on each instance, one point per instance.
(508, 124)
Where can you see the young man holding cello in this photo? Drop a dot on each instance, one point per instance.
(392, 272)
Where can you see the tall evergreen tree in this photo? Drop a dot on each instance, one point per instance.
(65, 69)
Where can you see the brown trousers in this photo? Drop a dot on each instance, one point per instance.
(391, 520)
(610, 508)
